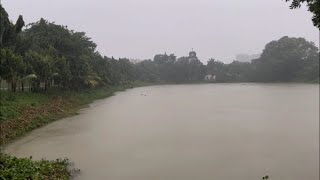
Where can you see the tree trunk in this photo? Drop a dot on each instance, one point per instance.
(13, 86)
(45, 85)
(19, 86)
(22, 86)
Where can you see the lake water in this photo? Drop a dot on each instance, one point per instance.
(189, 132)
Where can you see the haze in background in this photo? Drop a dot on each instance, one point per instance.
(143, 28)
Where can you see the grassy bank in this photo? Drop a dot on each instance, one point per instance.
(22, 112)
(25, 168)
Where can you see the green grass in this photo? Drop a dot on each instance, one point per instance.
(25, 168)
(12, 103)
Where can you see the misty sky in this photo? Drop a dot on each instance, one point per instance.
(217, 29)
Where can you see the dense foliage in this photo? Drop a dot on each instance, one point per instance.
(45, 54)
(24, 168)
(288, 59)
(284, 60)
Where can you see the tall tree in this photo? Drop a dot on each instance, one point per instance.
(281, 60)
(9, 31)
(313, 7)
(11, 65)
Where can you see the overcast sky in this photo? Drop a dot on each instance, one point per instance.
(217, 29)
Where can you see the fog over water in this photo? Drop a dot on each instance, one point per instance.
(143, 28)
(188, 132)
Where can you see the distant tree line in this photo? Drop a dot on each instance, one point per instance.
(285, 60)
(51, 54)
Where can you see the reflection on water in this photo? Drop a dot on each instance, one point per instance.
(189, 132)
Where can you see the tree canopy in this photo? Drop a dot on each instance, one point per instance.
(55, 56)
(313, 7)
(287, 59)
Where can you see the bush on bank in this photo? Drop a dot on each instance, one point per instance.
(12, 168)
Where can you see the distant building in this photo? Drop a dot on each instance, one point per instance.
(246, 57)
(209, 77)
(135, 61)
(193, 56)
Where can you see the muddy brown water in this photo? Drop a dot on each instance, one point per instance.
(189, 132)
